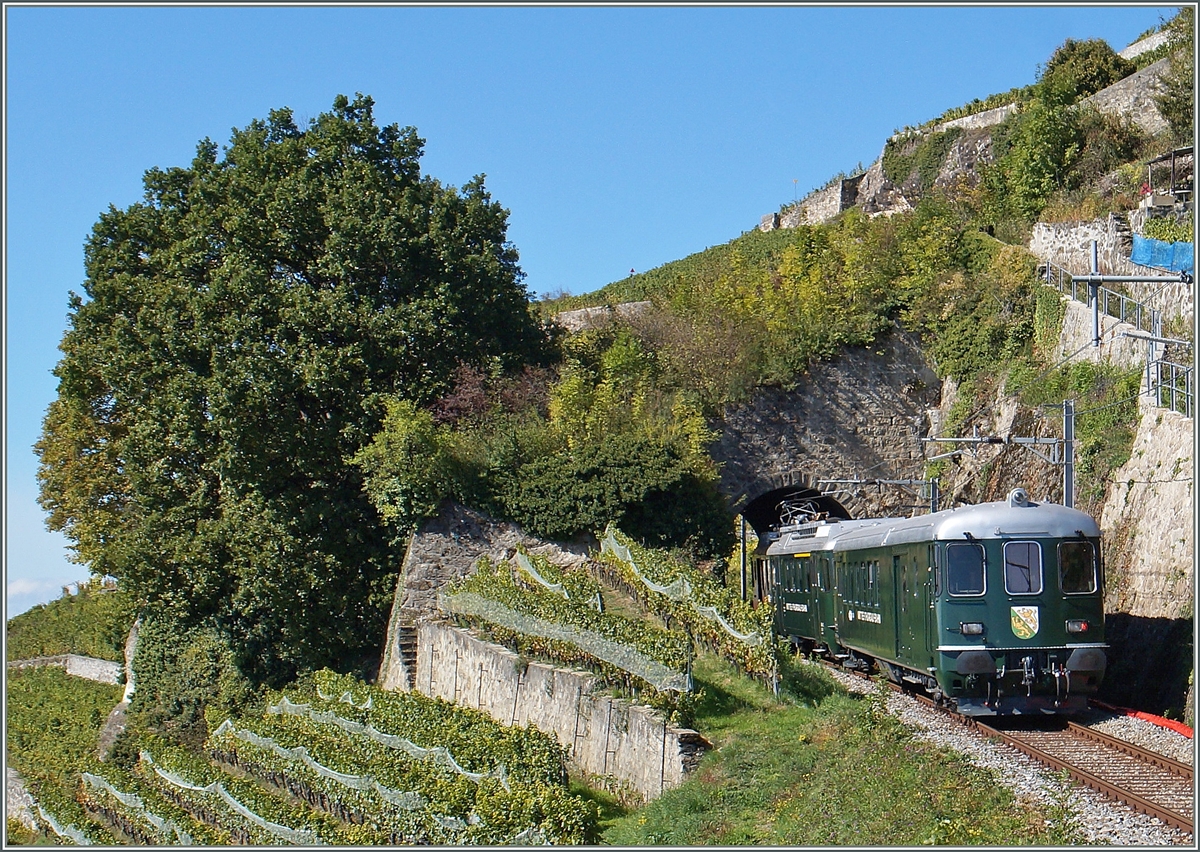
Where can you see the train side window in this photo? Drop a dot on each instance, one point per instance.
(1077, 567)
(964, 569)
(1023, 568)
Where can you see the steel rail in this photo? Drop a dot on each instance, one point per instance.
(1160, 760)
(1100, 785)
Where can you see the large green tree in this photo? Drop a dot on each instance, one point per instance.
(239, 332)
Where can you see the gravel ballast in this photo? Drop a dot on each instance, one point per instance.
(1102, 821)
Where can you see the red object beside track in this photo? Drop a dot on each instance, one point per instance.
(1177, 727)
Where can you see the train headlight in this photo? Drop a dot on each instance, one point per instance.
(971, 628)
(1077, 625)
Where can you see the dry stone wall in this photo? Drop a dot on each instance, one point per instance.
(817, 207)
(1133, 98)
(987, 118)
(607, 737)
(1145, 45)
(101, 671)
(861, 415)
(600, 316)
(1069, 245)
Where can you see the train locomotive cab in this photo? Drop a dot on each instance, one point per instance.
(996, 608)
(1019, 604)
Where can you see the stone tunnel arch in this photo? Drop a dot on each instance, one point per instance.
(779, 505)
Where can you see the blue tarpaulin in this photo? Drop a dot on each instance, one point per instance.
(1176, 257)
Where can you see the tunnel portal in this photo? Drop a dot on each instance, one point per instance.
(790, 504)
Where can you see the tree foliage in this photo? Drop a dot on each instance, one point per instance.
(240, 330)
(408, 466)
(1081, 68)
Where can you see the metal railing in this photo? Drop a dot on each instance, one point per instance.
(1112, 304)
(1172, 386)
(1169, 385)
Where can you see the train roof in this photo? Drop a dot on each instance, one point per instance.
(1017, 516)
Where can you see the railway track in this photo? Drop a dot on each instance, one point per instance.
(1148, 782)
(1145, 781)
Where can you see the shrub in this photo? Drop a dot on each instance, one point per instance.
(1081, 68)
(180, 671)
(1177, 100)
(645, 484)
(1170, 230)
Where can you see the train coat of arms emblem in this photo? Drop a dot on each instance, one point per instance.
(1024, 621)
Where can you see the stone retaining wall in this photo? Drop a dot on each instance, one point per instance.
(101, 671)
(1077, 339)
(1148, 520)
(860, 415)
(607, 737)
(816, 207)
(987, 118)
(1145, 45)
(600, 316)
(445, 550)
(1133, 98)
(1069, 245)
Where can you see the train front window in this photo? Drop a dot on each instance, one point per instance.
(964, 569)
(1023, 568)
(1077, 567)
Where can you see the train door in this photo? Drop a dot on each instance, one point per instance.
(925, 648)
(825, 617)
(764, 579)
(911, 607)
(900, 581)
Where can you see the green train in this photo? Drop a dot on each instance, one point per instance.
(994, 609)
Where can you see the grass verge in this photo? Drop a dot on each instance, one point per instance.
(818, 767)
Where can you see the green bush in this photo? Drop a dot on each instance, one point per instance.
(1106, 416)
(180, 671)
(1081, 68)
(643, 483)
(1170, 230)
(1177, 100)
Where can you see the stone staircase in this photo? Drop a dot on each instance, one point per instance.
(406, 647)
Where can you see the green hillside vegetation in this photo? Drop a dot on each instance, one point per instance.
(271, 383)
(53, 722)
(93, 622)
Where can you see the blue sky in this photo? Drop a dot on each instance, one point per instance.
(618, 137)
